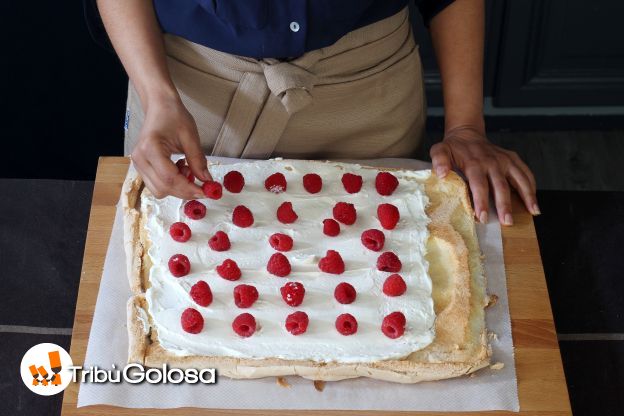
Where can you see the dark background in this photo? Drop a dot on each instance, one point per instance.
(550, 65)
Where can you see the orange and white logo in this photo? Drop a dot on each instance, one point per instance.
(45, 369)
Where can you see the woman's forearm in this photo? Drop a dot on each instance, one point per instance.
(138, 41)
(457, 33)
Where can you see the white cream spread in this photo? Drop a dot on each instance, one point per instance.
(169, 296)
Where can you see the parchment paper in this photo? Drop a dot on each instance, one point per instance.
(486, 390)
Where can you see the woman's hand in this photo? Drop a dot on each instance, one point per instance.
(482, 162)
(169, 128)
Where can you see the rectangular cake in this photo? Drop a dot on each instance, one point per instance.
(394, 297)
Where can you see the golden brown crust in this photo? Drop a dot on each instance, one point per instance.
(460, 346)
(133, 245)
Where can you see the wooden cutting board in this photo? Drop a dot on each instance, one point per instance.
(541, 382)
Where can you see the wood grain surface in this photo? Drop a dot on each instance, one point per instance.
(541, 382)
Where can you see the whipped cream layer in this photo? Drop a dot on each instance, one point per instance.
(168, 296)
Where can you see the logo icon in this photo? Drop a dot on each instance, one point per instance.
(45, 369)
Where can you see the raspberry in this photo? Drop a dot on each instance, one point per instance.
(345, 213)
(388, 262)
(276, 183)
(394, 285)
(393, 325)
(242, 216)
(201, 294)
(234, 181)
(352, 183)
(195, 210)
(192, 321)
(185, 170)
(345, 293)
(180, 232)
(293, 293)
(297, 322)
(331, 227)
(332, 263)
(245, 295)
(179, 265)
(212, 189)
(286, 214)
(244, 325)
(312, 183)
(346, 324)
(373, 239)
(219, 242)
(278, 265)
(386, 183)
(229, 270)
(388, 216)
(281, 242)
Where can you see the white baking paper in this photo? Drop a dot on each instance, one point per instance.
(487, 389)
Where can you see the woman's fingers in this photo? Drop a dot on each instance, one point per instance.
(479, 188)
(146, 174)
(519, 163)
(168, 178)
(502, 195)
(523, 186)
(441, 159)
(195, 156)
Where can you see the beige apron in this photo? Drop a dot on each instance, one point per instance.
(361, 97)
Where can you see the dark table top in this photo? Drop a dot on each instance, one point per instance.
(43, 225)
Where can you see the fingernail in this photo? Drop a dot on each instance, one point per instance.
(198, 196)
(508, 219)
(536, 210)
(206, 174)
(483, 217)
(441, 172)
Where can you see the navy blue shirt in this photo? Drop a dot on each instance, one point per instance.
(272, 28)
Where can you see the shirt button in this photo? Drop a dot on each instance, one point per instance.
(294, 26)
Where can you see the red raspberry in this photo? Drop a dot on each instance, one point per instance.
(276, 183)
(278, 265)
(352, 183)
(244, 325)
(212, 189)
(312, 183)
(286, 214)
(195, 210)
(201, 294)
(297, 322)
(185, 170)
(346, 324)
(345, 293)
(219, 242)
(394, 285)
(293, 293)
(386, 183)
(234, 181)
(332, 263)
(242, 216)
(180, 232)
(393, 325)
(373, 239)
(192, 321)
(179, 265)
(345, 213)
(331, 227)
(388, 216)
(229, 270)
(281, 242)
(245, 295)
(388, 262)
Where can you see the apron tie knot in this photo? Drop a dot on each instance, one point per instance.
(290, 83)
